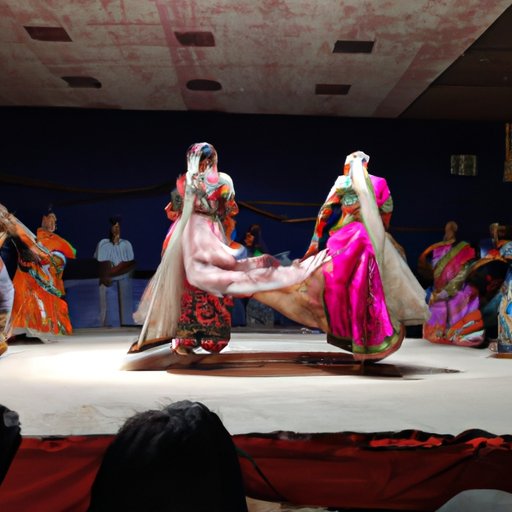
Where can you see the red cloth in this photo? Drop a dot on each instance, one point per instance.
(53, 475)
(410, 470)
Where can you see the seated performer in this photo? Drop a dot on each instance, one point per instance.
(314, 292)
(256, 313)
(453, 302)
(489, 276)
(253, 241)
(39, 307)
(504, 344)
(499, 234)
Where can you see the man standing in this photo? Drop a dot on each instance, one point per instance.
(116, 267)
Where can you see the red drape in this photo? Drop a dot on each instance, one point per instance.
(402, 471)
(405, 471)
(53, 475)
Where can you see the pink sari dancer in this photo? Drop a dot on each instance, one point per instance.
(354, 293)
(364, 295)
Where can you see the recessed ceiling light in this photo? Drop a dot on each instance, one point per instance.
(353, 46)
(86, 82)
(332, 89)
(195, 38)
(203, 85)
(51, 34)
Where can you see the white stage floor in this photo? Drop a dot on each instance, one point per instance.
(75, 387)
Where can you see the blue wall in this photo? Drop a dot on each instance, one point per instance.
(275, 158)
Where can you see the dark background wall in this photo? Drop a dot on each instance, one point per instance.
(270, 158)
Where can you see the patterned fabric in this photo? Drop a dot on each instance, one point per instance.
(342, 207)
(369, 289)
(39, 288)
(196, 257)
(205, 319)
(454, 303)
(197, 250)
(355, 300)
(505, 305)
(6, 291)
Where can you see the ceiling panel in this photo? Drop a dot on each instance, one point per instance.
(428, 60)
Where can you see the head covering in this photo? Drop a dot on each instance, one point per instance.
(353, 156)
(167, 282)
(202, 177)
(204, 150)
(49, 211)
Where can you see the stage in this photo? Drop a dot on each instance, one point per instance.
(74, 387)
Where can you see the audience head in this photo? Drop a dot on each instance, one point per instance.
(177, 459)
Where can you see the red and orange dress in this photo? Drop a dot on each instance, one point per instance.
(205, 319)
(39, 306)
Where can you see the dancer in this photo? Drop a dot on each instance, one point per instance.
(39, 307)
(314, 292)
(187, 303)
(366, 294)
(453, 302)
(173, 211)
(504, 342)
(29, 251)
(205, 319)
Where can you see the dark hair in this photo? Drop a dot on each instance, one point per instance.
(177, 459)
(258, 242)
(49, 211)
(10, 438)
(115, 219)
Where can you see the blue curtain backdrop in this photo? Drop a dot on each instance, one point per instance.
(85, 162)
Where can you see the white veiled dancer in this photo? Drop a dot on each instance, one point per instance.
(183, 306)
(365, 294)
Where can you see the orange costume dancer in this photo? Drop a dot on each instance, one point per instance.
(39, 307)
